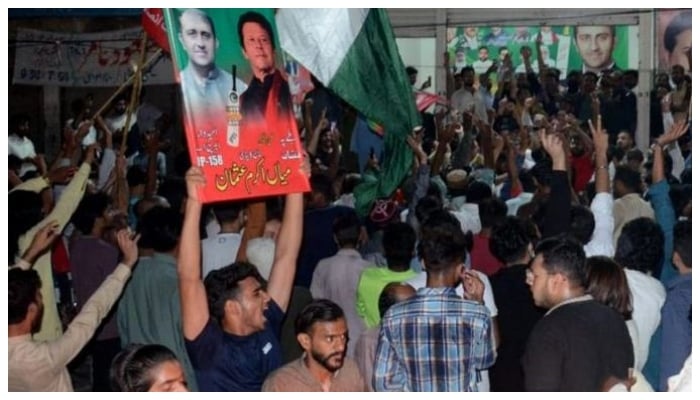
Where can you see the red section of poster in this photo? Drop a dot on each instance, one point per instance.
(154, 24)
(245, 156)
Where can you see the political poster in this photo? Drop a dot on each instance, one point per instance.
(238, 113)
(101, 59)
(583, 48)
(673, 38)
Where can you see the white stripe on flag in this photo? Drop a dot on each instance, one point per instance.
(319, 38)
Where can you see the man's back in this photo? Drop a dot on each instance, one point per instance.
(317, 242)
(149, 310)
(648, 295)
(433, 342)
(576, 347)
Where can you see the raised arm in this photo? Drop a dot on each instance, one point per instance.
(83, 326)
(287, 248)
(193, 296)
(559, 204)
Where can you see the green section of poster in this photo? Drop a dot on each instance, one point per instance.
(591, 48)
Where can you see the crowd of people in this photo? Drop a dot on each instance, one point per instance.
(533, 246)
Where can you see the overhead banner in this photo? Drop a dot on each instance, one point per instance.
(84, 60)
(586, 48)
(240, 130)
(673, 38)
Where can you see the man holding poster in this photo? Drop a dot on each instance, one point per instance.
(243, 149)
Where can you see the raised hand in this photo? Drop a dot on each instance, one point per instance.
(61, 175)
(677, 130)
(473, 286)
(600, 135)
(554, 146)
(195, 180)
(90, 153)
(128, 246)
(43, 239)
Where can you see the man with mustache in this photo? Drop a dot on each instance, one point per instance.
(323, 334)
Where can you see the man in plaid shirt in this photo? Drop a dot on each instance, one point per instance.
(437, 341)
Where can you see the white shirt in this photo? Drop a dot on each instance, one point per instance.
(117, 122)
(627, 208)
(648, 296)
(601, 243)
(219, 251)
(515, 203)
(481, 66)
(463, 99)
(22, 147)
(420, 280)
(90, 138)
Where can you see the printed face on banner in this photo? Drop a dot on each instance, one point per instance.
(674, 38)
(240, 125)
(566, 48)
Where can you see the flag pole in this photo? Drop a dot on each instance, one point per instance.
(126, 84)
(136, 90)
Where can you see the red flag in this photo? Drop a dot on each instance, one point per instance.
(154, 24)
(425, 100)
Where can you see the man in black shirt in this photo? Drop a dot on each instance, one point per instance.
(579, 343)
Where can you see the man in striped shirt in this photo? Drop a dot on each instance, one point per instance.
(437, 341)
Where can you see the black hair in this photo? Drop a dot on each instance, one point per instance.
(135, 176)
(564, 255)
(509, 240)
(132, 368)
(174, 190)
(635, 155)
(222, 285)
(631, 72)
(320, 310)
(629, 178)
(346, 230)
(350, 180)
(442, 243)
(483, 48)
(682, 243)
(612, 29)
(582, 223)
(387, 297)
(161, 228)
(478, 191)
(228, 211)
(640, 246)
(466, 69)
(91, 207)
(411, 70)
(26, 213)
(22, 287)
(399, 243)
(492, 211)
(255, 17)
(18, 119)
(681, 22)
(615, 153)
(322, 184)
(426, 206)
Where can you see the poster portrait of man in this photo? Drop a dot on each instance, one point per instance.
(239, 125)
